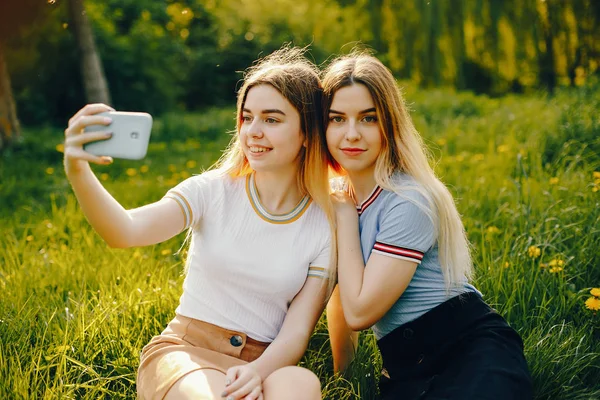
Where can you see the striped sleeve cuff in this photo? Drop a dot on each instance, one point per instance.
(318, 272)
(188, 215)
(398, 252)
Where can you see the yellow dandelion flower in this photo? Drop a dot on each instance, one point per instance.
(534, 251)
(60, 148)
(190, 164)
(543, 265)
(492, 230)
(460, 157)
(64, 247)
(595, 292)
(137, 254)
(131, 171)
(172, 168)
(477, 157)
(557, 262)
(176, 176)
(29, 238)
(596, 174)
(144, 169)
(593, 304)
(104, 176)
(555, 270)
(554, 181)
(506, 264)
(165, 252)
(49, 170)
(595, 189)
(185, 174)
(502, 148)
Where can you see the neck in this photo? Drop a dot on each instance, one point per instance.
(278, 191)
(363, 184)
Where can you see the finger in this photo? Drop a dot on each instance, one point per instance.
(260, 395)
(91, 109)
(231, 375)
(246, 389)
(254, 394)
(84, 121)
(235, 385)
(79, 140)
(80, 154)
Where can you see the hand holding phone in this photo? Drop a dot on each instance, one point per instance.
(130, 135)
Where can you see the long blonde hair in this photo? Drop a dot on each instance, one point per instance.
(297, 79)
(402, 150)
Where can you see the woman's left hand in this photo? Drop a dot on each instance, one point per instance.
(243, 383)
(343, 204)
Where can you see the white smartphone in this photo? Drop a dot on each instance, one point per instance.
(131, 134)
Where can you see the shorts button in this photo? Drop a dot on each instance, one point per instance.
(408, 333)
(236, 340)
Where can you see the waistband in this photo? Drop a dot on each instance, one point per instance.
(437, 328)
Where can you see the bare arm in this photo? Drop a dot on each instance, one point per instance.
(287, 348)
(344, 341)
(366, 292)
(291, 342)
(119, 227)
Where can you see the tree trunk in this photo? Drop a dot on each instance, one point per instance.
(546, 59)
(456, 20)
(10, 129)
(94, 81)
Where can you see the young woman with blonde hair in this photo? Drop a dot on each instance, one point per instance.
(261, 226)
(403, 256)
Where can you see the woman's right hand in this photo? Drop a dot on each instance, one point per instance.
(75, 157)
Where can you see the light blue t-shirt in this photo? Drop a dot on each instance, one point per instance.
(394, 225)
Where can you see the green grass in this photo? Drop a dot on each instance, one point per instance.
(75, 314)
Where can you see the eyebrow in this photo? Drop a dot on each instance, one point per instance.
(368, 110)
(268, 111)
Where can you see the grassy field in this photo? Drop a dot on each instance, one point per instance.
(75, 314)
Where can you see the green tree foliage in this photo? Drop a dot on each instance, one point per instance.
(188, 54)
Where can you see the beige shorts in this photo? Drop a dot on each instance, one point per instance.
(188, 345)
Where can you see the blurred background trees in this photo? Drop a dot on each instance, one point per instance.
(159, 56)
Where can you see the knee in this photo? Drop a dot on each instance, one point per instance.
(289, 380)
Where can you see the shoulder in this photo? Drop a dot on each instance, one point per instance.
(408, 192)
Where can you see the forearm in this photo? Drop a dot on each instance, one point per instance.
(343, 340)
(285, 350)
(351, 269)
(103, 212)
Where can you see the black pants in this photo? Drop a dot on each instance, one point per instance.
(461, 349)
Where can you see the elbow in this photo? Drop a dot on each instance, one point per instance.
(120, 238)
(359, 322)
(118, 242)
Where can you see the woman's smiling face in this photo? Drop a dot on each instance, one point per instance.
(270, 132)
(353, 133)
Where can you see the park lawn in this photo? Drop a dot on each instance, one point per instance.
(525, 170)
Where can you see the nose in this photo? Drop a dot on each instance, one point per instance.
(254, 130)
(352, 134)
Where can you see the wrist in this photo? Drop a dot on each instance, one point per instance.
(74, 167)
(256, 368)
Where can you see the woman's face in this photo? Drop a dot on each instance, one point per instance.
(270, 133)
(353, 133)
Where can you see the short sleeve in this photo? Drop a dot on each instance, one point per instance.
(406, 231)
(319, 268)
(190, 195)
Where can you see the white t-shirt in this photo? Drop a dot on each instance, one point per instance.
(245, 265)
